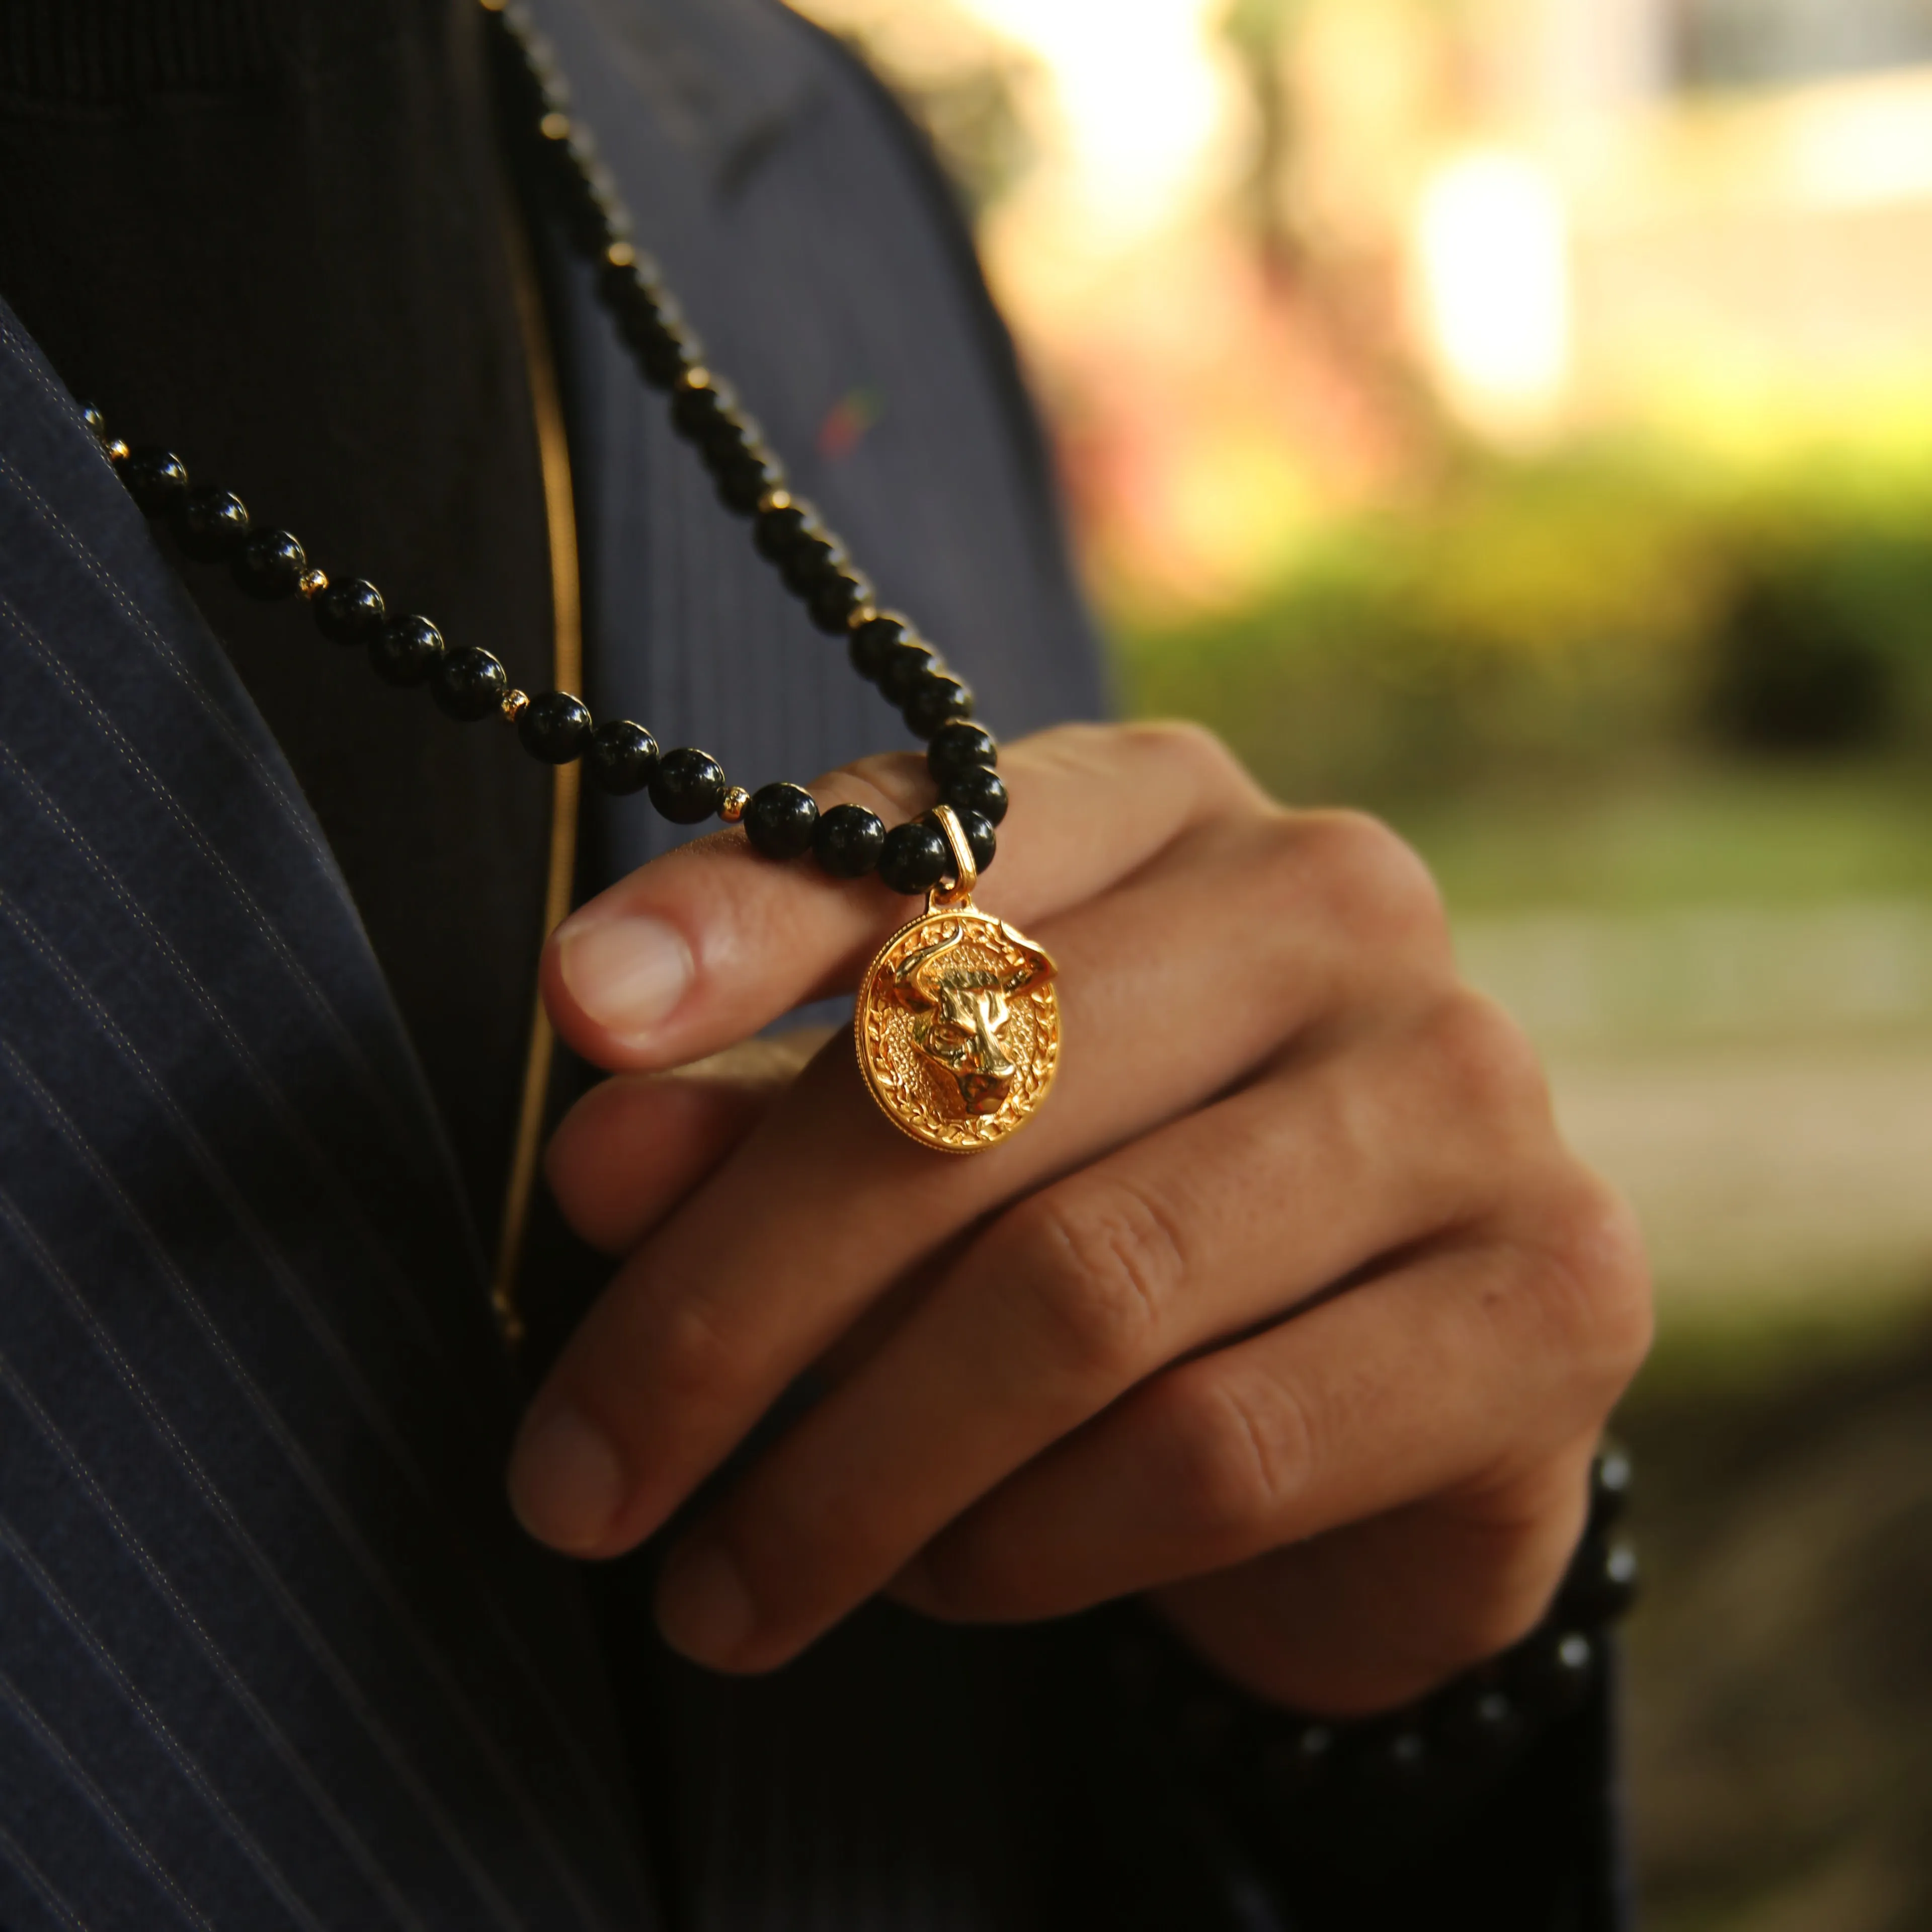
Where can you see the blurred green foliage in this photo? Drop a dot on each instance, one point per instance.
(1682, 831)
(1566, 620)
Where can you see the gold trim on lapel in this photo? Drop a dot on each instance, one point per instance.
(567, 668)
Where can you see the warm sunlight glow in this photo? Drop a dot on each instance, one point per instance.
(1492, 256)
(1137, 93)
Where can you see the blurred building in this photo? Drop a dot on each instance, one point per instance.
(1715, 204)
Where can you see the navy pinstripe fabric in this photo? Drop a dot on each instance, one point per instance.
(272, 1650)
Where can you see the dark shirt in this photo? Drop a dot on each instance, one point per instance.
(270, 237)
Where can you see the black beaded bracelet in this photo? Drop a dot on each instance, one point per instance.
(1263, 1763)
(686, 785)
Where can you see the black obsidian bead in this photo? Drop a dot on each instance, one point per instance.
(603, 218)
(838, 599)
(904, 664)
(469, 684)
(781, 819)
(746, 476)
(780, 527)
(1480, 1722)
(1292, 1766)
(936, 700)
(1393, 1762)
(814, 556)
(405, 651)
(210, 523)
(977, 790)
(664, 349)
(1602, 1583)
(727, 436)
(696, 414)
(351, 613)
(981, 841)
(689, 785)
(873, 642)
(1611, 1476)
(270, 563)
(556, 727)
(914, 857)
(731, 435)
(1552, 1673)
(628, 289)
(960, 747)
(622, 757)
(157, 479)
(590, 207)
(847, 840)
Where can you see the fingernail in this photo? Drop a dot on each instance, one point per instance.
(627, 972)
(567, 1480)
(703, 1608)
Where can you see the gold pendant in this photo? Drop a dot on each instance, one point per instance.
(958, 1023)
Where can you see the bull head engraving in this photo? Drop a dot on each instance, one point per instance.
(961, 1011)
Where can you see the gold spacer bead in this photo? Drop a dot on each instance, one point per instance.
(736, 800)
(312, 583)
(621, 255)
(117, 451)
(554, 126)
(696, 377)
(863, 613)
(776, 499)
(494, 6)
(514, 705)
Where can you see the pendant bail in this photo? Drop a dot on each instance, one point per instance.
(958, 892)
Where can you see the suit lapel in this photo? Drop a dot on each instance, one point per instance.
(252, 1411)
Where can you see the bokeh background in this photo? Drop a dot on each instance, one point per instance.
(1516, 415)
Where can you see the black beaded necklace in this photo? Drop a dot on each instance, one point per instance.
(782, 821)
(957, 1021)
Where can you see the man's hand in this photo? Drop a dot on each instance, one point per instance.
(1290, 1306)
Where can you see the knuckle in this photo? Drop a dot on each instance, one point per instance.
(1372, 882)
(693, 1361)
(1486, 1063)
(1103, 1267)
(1192, 750)
(1235, 1454)
(1597, 1281)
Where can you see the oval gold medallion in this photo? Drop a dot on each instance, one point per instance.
(959, 1026)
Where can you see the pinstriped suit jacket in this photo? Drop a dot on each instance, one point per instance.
(271, 1651)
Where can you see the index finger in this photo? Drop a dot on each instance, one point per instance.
(709, 943)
